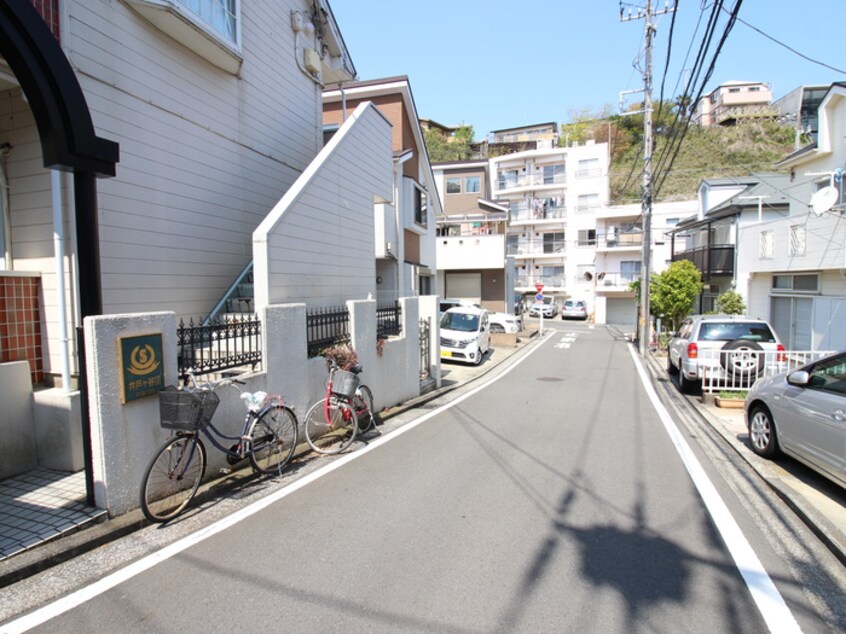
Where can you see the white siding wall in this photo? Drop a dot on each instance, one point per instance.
(317, 244)
(204, 154)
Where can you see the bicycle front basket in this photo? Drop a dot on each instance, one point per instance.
(344, 383)
(186, 410)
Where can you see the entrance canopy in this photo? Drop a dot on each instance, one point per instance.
(68, 141)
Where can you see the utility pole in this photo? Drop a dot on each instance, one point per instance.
(644, 325)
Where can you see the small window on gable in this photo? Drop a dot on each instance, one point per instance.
(472, 184)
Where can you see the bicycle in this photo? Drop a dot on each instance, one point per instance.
(346, 411)
(268, 439)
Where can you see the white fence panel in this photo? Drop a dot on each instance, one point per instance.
(736, 370)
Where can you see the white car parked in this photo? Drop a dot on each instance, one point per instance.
(465, 334)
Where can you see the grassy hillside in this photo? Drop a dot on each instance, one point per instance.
(704, 153)
(752, 146)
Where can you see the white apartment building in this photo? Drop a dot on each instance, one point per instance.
(553, 196)
(619, 251)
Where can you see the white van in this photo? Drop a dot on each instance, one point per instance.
(465, 334)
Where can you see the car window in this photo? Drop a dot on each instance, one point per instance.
(728, 331)
(684, 331)
(830, 375)
(462, 322)
(569, 304)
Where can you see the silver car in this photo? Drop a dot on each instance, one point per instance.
(803, 414)
(742, 338)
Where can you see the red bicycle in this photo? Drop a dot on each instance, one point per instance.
(334, 421)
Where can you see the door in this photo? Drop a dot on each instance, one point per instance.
(813, 418)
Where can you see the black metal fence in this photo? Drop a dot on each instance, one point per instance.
(389, 320)
(326, 327)
(220, 345)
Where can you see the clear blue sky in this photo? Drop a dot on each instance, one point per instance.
(499, 64)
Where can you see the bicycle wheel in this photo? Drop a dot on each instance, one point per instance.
(363, 404)
(274, 438)
(330, 427)
(173, 477)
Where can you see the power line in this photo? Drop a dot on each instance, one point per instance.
(790, 48)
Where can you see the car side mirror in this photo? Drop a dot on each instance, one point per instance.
(799, 378)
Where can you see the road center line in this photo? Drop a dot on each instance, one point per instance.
(78, 597)
(764, 592)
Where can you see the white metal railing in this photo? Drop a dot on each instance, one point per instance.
(738, 370)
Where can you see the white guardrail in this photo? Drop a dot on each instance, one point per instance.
(736, 370)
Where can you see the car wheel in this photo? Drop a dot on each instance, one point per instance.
(497, 328)
(671, 369)
(742, 358)
(762, 432)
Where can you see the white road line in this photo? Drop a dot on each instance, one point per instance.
(60, 606)
(766, 596)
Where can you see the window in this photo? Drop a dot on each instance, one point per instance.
(672, 222)
(209, 28)
(508, 178)
(553, 174)
(588, 201)
(797, 240)
(453, 186)
(218, 15)
(829, 375)
(587, 237)
(806, 282)
(589, 167)
(472, 185)
(553, 242)
(421, 207)
(734, 89)
(629, 270)
(765, 245)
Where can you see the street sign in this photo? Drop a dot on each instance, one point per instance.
(539, 287)
(539, 297)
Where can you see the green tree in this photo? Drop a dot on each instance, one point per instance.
(730, 303)
(456, 147)
(672, 293)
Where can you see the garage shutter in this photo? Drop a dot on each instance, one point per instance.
(464, 286)
(620, 311)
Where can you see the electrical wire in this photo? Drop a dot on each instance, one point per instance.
(791, 49)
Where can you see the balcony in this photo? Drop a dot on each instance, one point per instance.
(551, 283)
(712, 261)
(529, 181)
(537, 249)
(526, 215)
(621, 242)
(615, 282)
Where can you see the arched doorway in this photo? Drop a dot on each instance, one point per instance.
(68, 142)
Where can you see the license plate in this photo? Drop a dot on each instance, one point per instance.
(446, 353)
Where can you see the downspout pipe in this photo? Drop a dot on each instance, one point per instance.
(59, 257)
(5, 209)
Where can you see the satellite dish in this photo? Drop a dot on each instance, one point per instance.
(824, 200)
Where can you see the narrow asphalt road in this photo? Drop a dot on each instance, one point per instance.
(548, 498)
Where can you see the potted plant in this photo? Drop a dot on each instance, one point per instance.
(731, 398)
(342, 354)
